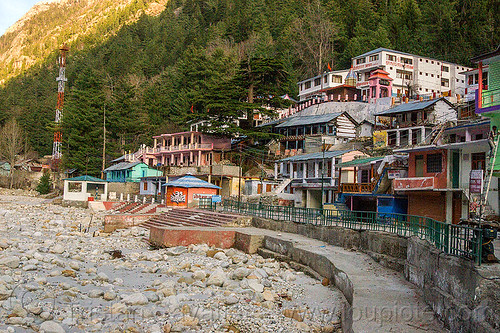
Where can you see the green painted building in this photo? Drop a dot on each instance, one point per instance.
(130, 172)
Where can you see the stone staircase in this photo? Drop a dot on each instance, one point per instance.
(190, 218)
(135, 208)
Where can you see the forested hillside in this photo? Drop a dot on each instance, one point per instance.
(214, 56)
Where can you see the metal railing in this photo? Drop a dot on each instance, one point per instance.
(458, 240)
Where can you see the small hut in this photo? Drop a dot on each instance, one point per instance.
(85, 188)
(186, 191)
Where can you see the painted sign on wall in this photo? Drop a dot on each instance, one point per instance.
(476, 181)
(379, 139)
(176, 196)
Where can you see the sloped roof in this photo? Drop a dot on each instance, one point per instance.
(86, 178)
(315, 156)
(309, 120)
(412, 106)
(361, 161)
(122, 166)
(191, 182)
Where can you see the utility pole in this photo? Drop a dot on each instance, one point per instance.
(323, 177)
(239, 180)
(104, 144)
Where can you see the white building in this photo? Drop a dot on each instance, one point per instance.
(426, 76)
(313, 86)
(472, 82)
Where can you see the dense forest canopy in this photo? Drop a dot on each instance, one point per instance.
(218, 58)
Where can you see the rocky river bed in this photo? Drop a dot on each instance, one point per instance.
(58, 273)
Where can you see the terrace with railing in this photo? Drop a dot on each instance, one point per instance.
(458, 240)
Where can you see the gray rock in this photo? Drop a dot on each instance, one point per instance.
(51, 327)
(11, 262)
(231, 299)
(217, 278)
(135, 299)
(95, 293)
(109, 295)
(175, 251)
(255, 285)
(29, 268)
(58, 248)
(240, 273)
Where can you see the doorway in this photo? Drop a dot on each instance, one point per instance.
(419, 166)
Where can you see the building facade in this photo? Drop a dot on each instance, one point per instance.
(411, 124)
(423, 75)
(130, 172)
(188, 149)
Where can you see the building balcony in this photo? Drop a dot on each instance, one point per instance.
(490, 101)
(414, 183)
(179, 148)
(357, 187)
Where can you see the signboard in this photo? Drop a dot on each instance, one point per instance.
(393, 174)
(379, 139)
(176, 196)
(476, 181)
(216, 198)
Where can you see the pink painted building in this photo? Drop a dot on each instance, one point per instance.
(380, 85)
(188, 149)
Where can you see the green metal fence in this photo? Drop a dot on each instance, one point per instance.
(459, 240)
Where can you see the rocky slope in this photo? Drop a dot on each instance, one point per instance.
(50, 23)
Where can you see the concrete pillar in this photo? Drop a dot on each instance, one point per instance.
(275, 171)
(449, 206)
(128, 197)
(305, 170)
(409, 137)
(199, 158)
(291, 171)
(181, 159)
(191, 157)
(121, 196)
(398, 138)
(316, 169)
(192, 137)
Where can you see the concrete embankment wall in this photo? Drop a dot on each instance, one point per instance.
(453, 287)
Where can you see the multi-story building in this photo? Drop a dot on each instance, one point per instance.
(410, 124)
(305, 134)
(312, 87)
(188, 149)
(438, 182)
(312, 178)
(423, 75)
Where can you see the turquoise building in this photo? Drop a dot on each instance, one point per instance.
(130, 172)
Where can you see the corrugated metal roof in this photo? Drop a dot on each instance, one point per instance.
(191, 182)
(86, 178)
(309, 120)
(272, 122)
(412, 106)
(314, 156)
(122, 166)
(360, 161)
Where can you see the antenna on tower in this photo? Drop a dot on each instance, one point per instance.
(61, 80)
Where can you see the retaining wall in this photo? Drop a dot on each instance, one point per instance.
(465, 297)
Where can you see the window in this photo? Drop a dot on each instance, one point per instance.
(374, 57)
(434, 163)
(360, 61)
(367, 76)
(74, 187)
(426, 60)
(478, 161)
(317, 81)
(479, 136)
(470, 79)
(445, 68)
(337, 78)
(359, 76)
(391, 57)
(432, 62)
(407, 61)
(308, 84)
(420, 73)
(403, 74)
(445, 82)
(145, 186)
(432, 75)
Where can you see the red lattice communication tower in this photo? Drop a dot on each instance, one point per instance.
(61, 80)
